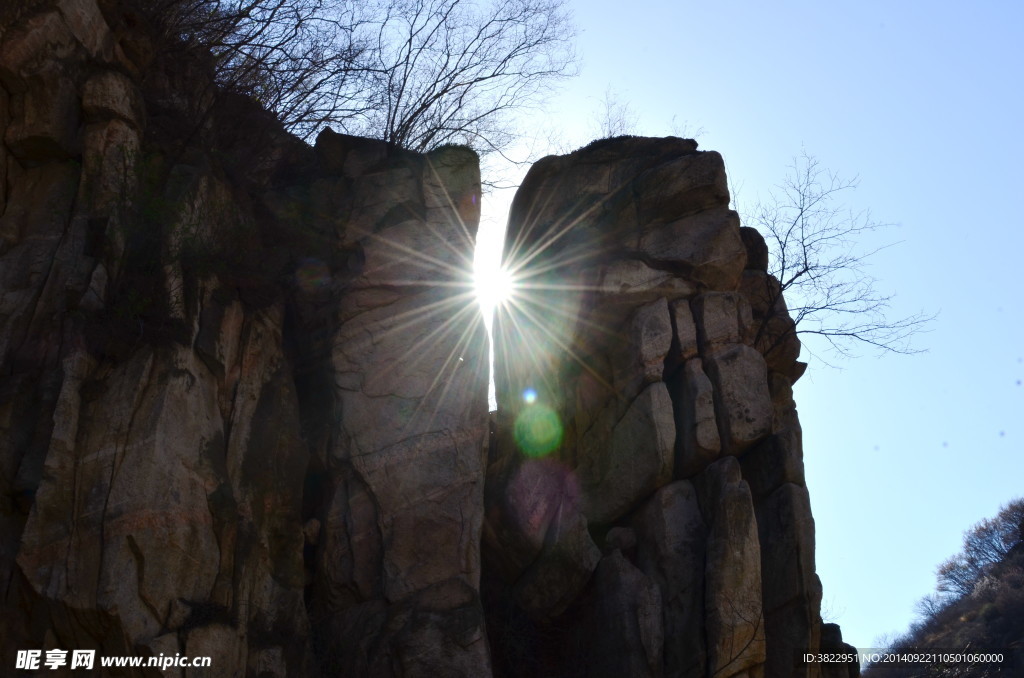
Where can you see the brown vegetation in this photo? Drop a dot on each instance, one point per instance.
(978, 606)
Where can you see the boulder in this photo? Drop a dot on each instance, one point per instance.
(633, 282)
(757, 249)
(350, 551)
(38, 206)
(555, 579)
(348, 155)
(533, 494)
(734, 614)
(772, 463)
(698, 442)
(634, 462)
(773, 330)
(48, 128)
(671, 541)
(706, 245)
(685, 185)
(654, 340)
(621, 627)
(742, 401)
(109, 181)
(619, 539)
(721, 318)
(786, 532)
(832, 641)
(409, 372)
(652, 337)
(685, 331)
(158, 533)
(110, 94)
(86, 22)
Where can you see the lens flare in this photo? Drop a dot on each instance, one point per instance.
(312, 274)
(535, 495)
(530, 396)
(538, 430)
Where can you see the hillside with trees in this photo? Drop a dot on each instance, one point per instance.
(978, 604)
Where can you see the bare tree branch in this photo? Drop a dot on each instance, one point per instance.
(985, 544)
(819, 269)
(415, 73)
(453, 71)
(614, 116)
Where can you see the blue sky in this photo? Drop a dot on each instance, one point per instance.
(923, 102)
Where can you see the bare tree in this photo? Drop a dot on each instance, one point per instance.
(453, 71)
(614, 116)
(684, 129)
(931, 605)
(299, 59)
(831, 611)
(814, 241)
(415, 73)
(985, 544)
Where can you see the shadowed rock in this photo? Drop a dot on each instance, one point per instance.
(243, 393)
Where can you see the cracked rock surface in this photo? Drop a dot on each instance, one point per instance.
(643, 332)
(243, 394)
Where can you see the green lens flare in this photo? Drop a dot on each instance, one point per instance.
(538, 430)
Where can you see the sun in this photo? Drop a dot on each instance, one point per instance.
(494, 286)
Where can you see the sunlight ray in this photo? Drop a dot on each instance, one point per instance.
(555, 263)
(569, 350)
(409, 319)
(530, 220)
(442, 330)
(422, 257)
(461, 346)
(586, 322)
(412, 317)
(438, 333)
(507, 338)
(406, 326)
(558, 232)
(512, 326)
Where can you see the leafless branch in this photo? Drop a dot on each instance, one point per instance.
(614, 116)
(415, 73)
(820, 267)
(453, 71)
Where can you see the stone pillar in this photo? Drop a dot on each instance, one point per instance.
(636, 366)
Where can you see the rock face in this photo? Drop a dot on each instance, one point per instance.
(244, 397)
(637, 336)
(243, 394)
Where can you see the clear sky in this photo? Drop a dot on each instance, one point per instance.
(924, 102)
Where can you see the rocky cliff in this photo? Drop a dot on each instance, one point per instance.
(243, 394)
(646, 498)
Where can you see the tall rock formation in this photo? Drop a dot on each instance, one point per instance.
(244, 382)
(243, 394)
(646, 497)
